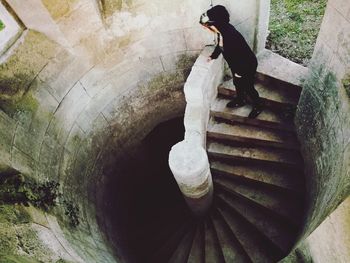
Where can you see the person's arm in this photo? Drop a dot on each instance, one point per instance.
(216, 53)
(217, 50)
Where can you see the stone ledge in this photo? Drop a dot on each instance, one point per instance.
(278, 67)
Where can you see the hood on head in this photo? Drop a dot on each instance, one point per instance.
(218, 14)
(215, 15)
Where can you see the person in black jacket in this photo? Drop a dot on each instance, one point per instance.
(239, 56)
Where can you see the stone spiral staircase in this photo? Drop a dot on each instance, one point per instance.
(257, 172)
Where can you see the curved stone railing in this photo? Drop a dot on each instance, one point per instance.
(188, 159)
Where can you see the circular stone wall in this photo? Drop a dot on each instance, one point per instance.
(85, 82)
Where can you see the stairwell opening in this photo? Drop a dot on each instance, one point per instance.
(141, 194)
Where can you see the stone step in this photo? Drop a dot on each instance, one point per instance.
(267, 118)
(293, 88)
(183, 249)
(252, 135)
(231, 249)
(255, 155)
(289, 180)
(166, 249)
(275, 230)
(250, 239)
(288, 207)
(212, 249)
(166, 228)
(159, 227)
(197, 249)
(274, 98)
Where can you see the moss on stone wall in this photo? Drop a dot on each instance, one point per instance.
(20, 69)
(72, 212)
(13, 87)
(174, 78)
(15, 214)
(16, 259)
(23, 202)
(20, 243)
(56, 8)
(165, 79)
(185, 63)
(18, 189)
(19, 105)
(2, 25)
(19, 240)
(346, 84)
(11, 216)
(111, 6)
(322, 123)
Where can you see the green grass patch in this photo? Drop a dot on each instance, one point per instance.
(294, 26)
(2, 25)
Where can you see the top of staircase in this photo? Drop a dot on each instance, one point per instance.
(280, 68)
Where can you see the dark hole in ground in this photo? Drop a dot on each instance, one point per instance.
(145, 201)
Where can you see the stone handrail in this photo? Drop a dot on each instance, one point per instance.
(188, 159)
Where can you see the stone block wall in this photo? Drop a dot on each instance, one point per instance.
(323, 117)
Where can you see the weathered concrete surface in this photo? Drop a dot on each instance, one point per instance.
(189, 163)
(323, 118)
(19, 71)
(188, 160)
(27, 228)
(330, 242)
(36, 17)
(281, 68)
(262, 25)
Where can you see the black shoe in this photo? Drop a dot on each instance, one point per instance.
(255, 112)
(235, 103)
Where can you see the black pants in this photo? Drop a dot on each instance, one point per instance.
(245, 88)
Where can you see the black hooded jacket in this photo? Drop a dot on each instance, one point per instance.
(236, 51)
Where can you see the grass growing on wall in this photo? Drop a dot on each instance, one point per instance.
(294, 26)
(2, 25)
